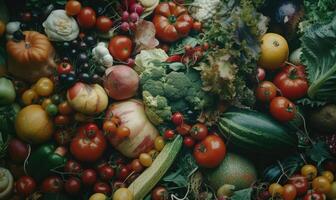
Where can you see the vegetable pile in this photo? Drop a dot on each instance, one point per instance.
(176, 99)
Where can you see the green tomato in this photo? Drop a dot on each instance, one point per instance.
(52, 109)
(7, 91)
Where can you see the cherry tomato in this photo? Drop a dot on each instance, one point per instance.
(159, 143)
(199, 131)
(137, 166)
(73, 7)
(104, 24)
(177, 118)
(101, 187)
(289, 192)
(123, 173)
(329, 175)
(174, 58)
(64, 108)
(197, 26)
(266, 91)
(300, 182)
(46, 102)
(169, 134)
(145, 159)
(25, 186)
(89, 177)
(153, 153)
(276, 190)
(72, 185)
(120, 47)
(123, 194)
(98, 196)
(188, 141)
(311, 195)
(106, 173)
(282, 109)
(44, 87)
(64, 67)
(321, 184)
(210, 152)
(261, 74)
(292, 82)
(86, 18)
(183, 129)
(309, 171)
(52, 184)
(72, 166)
(159, 193)
(123, 132)
(29, 97)
(109, 127)
(61, 120)
(52, 109)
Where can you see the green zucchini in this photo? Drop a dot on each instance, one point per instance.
(257, 132)
(152, 175)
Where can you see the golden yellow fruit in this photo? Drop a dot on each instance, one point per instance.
(123, 194)
(332, 193)
(274, 51)
(329, 175)
(98, 196)
(309, 171)
(276, 190)
(321, 184)
(33, 124)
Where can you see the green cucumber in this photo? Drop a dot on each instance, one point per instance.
(254, 131)
(141, 186)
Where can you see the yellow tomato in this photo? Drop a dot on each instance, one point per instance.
(44, 86)
(274, 51)
(159, 143)
(153, 153)
(46, 102)
(2, 28)
(98, 196)
(123, 194)
(29, 97)
(329, 175)
(321, 184)
(309, 171)
(332, 193)
(145, 159)
(276, 190)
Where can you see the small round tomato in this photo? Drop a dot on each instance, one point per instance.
(199, 131)
(62, 137)
(177, 118)
(300, 182)
(282, 109)
(137, 166)
(73, 7)
(309, 171)
(101, 187)
(61, 120)
(64, 108)
(159, 143)
(29, 97)
(266, 91)
(188, 141)
(276, 190)
(183, 129)
(109, 127)
(261, 74)
(197, 26)
(311, 195)
(72, 166)
(86, 18)
(64, 67)
(169, 134)
(159, 193)
(104, 24)
(98, 196)
(210, 152)
(321, 184)
(52, 109)
(120, 47)
(145, 159)
(106, 173)
(289, 192)
(153, 153)
(123, 173)
(72, 185)
(329, 175)
(25, 186)
(123, 194)
(52, 184)
(123, 132)
(46, 102)
(89, 177)
(44, 87)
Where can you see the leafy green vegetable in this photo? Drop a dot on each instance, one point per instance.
(178, 47)
(146, 57)
(242, 194)
(319, 153)
(319, 55)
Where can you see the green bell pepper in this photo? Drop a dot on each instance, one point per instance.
(7, 91)
(44, 160)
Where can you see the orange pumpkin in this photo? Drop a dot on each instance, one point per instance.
(32, 57)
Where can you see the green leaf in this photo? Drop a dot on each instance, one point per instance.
(176, 66)
(176, 178)
(319, 153)
(178, 47)
(242, 194)
(311, 103)
(319, 55)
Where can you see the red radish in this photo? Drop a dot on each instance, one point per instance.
(121, 82)
(134, 17)
(125, 26)
(137, 8)
(125, 16)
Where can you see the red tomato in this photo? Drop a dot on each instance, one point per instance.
(210, 152)
(106, 173)
(197, 26)
(261, 74)
(177, 118)
(300, 182)
(183, 129)
(174, 58)
(311, 195)
(72, 166)
(160, 193)
(89, 177)
(104, 24)
(120, 47)
(102, 187)
(171, 21)
(64, 67)
(188, 141)
(266, 91)
(282, 109)
(123, 132)
(123, 173)
(199, 131)
(289, 192)
(25, 186)
(73, 7)
(72, 185)
(52, 184)
(88, 145)
(61, 120)
(86, 18)
(169, 134)
(292, 82)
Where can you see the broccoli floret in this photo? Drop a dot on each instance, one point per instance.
(156, 108)
(152, 73)
(179, 106)
(155, 88)
(176, 86)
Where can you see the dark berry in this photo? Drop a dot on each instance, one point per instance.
(100, 70)
(82, 58)
(73, 52)
(66, 45)
(85, 77)
(90, 40)
(85, 67)
(74, 43)
(97, 79)
(82, 46)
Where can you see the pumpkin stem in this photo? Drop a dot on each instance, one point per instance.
(18, 36)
